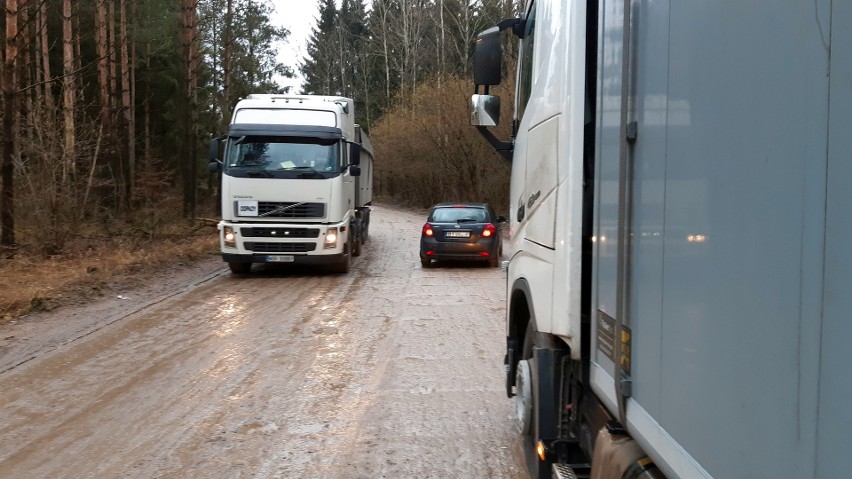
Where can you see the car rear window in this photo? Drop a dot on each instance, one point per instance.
(451, 215)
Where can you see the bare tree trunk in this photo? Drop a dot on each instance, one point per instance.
(441, 47)
(45, 56)
(103, 61)
(190, 20)
(112, 45)
(195, 60)
(27, 53)
(380, 38)
(132, 116)
(341, 53)
(7, 168)
(68, 89)
(78, 55)
(124, 69)
(147, 114)
(228, 47)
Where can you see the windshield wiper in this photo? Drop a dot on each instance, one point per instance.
(259, 173)
(306, 172)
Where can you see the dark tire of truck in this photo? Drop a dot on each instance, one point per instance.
(345, 265)
(529, 400)
(356, 245)
(240, 268)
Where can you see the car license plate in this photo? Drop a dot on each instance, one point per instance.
(458, 234)
(279, 259)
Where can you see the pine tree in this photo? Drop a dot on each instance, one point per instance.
(319, 67)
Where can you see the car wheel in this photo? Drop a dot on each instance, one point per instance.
(494, 262)
(240, 268)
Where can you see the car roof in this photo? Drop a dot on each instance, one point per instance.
(461, 204)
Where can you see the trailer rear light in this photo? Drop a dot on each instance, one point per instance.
(489, 231)
(330, 238)
(427, 230)
(230, 237)
(539, 448)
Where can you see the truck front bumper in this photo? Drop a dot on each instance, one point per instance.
(284, 258)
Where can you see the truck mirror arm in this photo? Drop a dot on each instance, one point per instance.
(504, 148)
(517, 25)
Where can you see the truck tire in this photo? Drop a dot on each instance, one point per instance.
(240, 268)
(529, 405)
(356, 246)
(344, 266)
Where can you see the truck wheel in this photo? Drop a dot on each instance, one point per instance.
(344, 266)
(356, 246)
(240, 268)
(529, 407)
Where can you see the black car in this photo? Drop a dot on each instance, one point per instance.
(461, 231)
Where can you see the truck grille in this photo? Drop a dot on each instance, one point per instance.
(270, 209)
(280, 232)
(280, 247)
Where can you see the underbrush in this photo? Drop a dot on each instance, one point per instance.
(89, 267)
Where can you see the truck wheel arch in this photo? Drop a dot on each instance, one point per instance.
(521, 316)
(522, 313)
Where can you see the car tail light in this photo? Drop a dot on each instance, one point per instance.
(427, 230)
(489, 231)
(484, 253)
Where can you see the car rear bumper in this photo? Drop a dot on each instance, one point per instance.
(431, 248)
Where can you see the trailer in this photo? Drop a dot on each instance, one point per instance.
(678, 290)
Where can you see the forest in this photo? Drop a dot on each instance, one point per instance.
(108, 108)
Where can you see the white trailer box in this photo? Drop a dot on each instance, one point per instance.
(680, 217)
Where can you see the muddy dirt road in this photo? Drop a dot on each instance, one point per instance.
(391, 371)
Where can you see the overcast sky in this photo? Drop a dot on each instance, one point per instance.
(298, 16)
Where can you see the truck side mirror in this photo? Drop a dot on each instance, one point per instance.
(484, 110)
(215, 166)
(354, 154)
(488, 58)
(354, 170)
(214, 149)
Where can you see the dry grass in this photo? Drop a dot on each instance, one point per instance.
(33, 283)
(427, 151)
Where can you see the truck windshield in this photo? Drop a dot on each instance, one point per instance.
(280, 154)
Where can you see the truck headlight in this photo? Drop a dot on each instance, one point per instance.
(230, 237)
(331, 238)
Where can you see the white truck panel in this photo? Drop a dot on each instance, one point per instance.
(285, 116)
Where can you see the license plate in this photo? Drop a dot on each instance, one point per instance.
(458, 234)
(279, 259)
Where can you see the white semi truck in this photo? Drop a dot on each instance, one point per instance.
(680, 285)
(297, 182)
